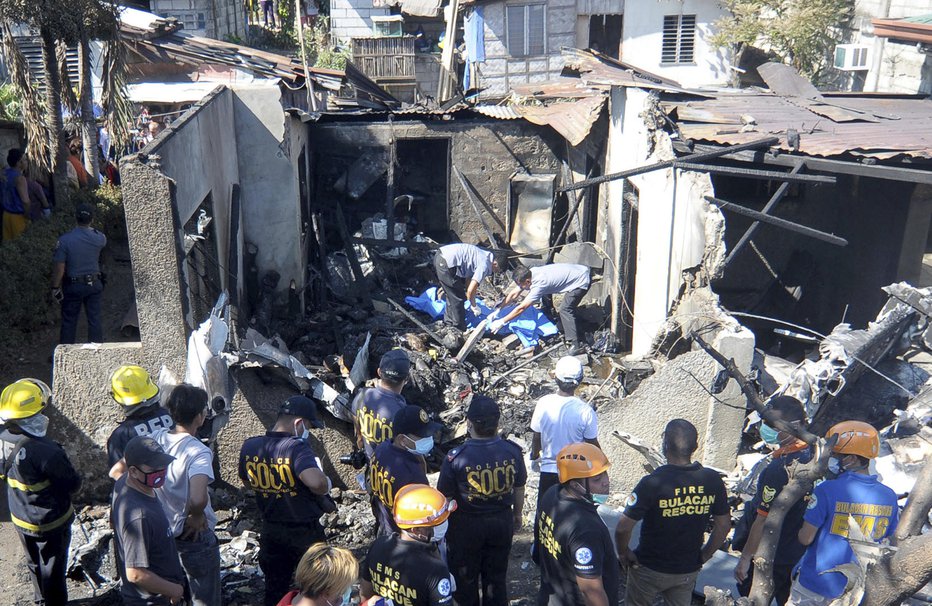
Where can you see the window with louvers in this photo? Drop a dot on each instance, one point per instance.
(679, 39)
(526, 30)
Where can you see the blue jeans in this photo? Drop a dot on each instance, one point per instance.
(200, 560)
(76, 295)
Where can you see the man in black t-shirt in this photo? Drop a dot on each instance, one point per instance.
(769, 485)
(486, 477)
(675, 502)
(374, 409)
(133, 389)
(285, 475)
(406, 567)
(577, 560)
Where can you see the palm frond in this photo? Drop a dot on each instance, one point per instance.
(33, 109)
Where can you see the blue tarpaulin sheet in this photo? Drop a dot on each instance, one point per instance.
(530, 326)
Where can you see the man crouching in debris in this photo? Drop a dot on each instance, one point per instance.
(486, 477)
(374, 409)
(406, 567)
(578, 565)
(132, 388)
(286, 476)
(400, 461)
(675, 503)
(770, 483)
(853, 495)
(568, 279)
(460, 268)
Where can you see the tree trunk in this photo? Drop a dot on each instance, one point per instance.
(88, 123)
(917, 506)
(901, 573)
(57, 147)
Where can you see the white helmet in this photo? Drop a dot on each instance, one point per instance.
(568, 370)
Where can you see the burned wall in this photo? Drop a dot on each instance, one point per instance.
(487, 152)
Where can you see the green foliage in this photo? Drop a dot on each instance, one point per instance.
(272, 40)
(802, 33)
(26, 263)
(320, 52)
(286, 17)
(11, 106)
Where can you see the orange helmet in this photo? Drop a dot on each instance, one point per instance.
(857, 438)
(419, 505)
(582, 460)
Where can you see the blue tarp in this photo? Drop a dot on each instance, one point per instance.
(530, 326)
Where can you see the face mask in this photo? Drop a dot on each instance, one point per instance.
(36, 425)
(305, 434)
(154, 479)
(440, 531)
(422, 446)
(835, 466)
(599, 499)
(768, 434)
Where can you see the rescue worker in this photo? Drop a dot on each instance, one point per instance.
(486, 477)
(285, 475)
(76, 277)
(400, 462)
(675, 502)
(374, 409)
(39, 483)
(568, 279)
(825, 523)
(406, 567)
(132, 388)
(789, 449)
(577, 560)
(460, 269)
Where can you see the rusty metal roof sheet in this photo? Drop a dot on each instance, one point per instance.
(897, 126)
(573, 119)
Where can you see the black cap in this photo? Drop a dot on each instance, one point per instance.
(84, 213)
(483, 410)
(413, 420)
(787, 409)
(395, 365)
(143, 450)
(301, 406)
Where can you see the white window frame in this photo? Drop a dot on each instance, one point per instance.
(192, 17)
(526, 12)
(681, 36)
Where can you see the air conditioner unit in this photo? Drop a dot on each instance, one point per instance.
(851, 57)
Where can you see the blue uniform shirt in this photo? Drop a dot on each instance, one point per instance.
(393, 468)
(79, 250)
(271, 466)
(468, 261)
(10, 196)
(374, 410)
(482, 474)
(869, 502)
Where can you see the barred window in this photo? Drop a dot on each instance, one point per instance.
(526, 30)
(679, 39)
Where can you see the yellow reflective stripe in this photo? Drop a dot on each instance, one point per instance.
(43, 527)
(28, 487)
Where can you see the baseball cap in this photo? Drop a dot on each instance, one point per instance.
(395, 365)
(413, 420)
(568, 370)
(84, 212)
(483, 409)
(143, 450)
(301, 406)
(787, 409)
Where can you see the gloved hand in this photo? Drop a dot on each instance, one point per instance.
(496, 326)
(475, 309)
(57, 295)
(535, 465)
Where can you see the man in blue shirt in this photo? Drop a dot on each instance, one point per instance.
(854, 494)
(374, 409)
(76, 278)
(460, 268)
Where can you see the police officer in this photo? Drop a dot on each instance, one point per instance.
(374, 409)
(286, 476)
(406, 567)
(132, 388)
(486, 477)
(400, 462)
(577, 559)
(76, 278)
(40, 481)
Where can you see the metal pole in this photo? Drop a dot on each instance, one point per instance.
(766, 142)
(754, 173)
(390, 182)
(417, 322)
(787, 225)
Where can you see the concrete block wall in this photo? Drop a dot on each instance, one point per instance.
(427, 72)
(353, 18)
(222, 18)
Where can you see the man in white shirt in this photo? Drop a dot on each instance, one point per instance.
(184, 496)
(560, 419)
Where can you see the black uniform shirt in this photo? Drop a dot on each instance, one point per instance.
(391, 469)
(481, 475)
(374, 409)
(675, 502)
(573, 541)
(271, 465)
(145, 422)
(410, 573)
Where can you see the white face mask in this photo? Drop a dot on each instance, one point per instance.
(36, 425)
(834, 466)
(440, 531)
(304, 433)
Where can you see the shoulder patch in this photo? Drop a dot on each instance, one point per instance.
(454, 453)
(632, 500)
(583, 555)
(443, 587)
(812, 501)
(768, 494)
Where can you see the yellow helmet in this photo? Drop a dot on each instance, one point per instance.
(23, 399)
(857, 438)
(131, 385)
(581, 460)
(419, 505)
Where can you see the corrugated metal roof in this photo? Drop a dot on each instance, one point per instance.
(499, 112)
(571, 119)
(739, 117)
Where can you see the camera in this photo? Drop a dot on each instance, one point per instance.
(357, 459)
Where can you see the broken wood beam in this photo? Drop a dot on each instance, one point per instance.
(473, 196)
(777, 222)
(569, 217)
(358, 276)
(433, 335)
(755, 173)
(640, 170)
(774, 199)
